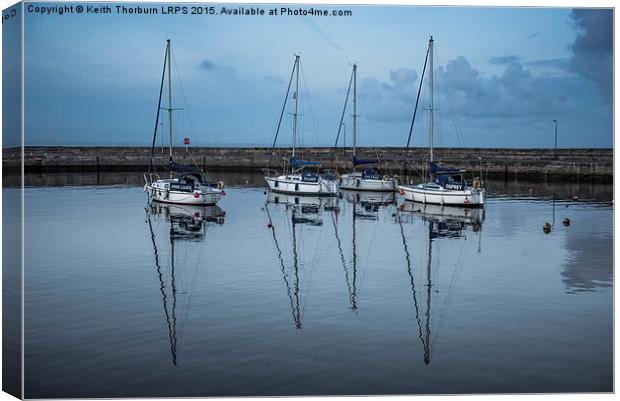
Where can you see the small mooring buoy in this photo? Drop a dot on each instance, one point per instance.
(566, 221)
(393, 214)
(269, 224)
(265, 193)
(547, 228)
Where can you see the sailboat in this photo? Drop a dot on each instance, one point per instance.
(187, 184)
(369, 179)
(296, 180)
(447, 186)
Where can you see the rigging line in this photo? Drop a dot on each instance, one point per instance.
(450, 106)
(316, 249)
(310, 109)
(288, 90)
(182, 92)
(451, 286)
(415, 109)
(344, 109)
(282, 265)
(184, 102)
(408, 260)
(367, 126)
(161, 89)
(373, 243)
(343, 261)
(162, 288)
(192, 286)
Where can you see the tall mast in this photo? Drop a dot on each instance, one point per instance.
(354, 107)
(169, 99)
(430, 107)
(296, 102)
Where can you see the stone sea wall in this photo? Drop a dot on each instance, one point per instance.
(566, 165)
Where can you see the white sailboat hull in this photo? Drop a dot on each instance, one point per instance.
(159, 191)
(287, 184)
(469, 197)
(355, 182)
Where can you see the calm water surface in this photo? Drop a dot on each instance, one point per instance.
(270, 295)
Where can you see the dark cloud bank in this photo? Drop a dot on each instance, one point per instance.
(593, 47)
(516, 92)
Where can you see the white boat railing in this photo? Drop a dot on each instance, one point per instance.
(149, 178)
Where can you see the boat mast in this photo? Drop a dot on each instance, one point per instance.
(296, 102)
(354, 109)
(169, 100)
(161, 89)
(430, 107)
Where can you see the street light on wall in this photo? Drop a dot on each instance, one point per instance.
(555, 147)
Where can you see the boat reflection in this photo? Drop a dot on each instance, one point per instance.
(368, 197)
(177, 234)
(442, 223)
(365, 206)
(298, 212)
(448, 220)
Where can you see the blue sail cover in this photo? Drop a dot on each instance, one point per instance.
(174, 166)
(357, 162)
(437, 169)
(298, 162)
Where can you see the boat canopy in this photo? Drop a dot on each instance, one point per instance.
(357, 161)
(174, 166)
(297, 162)
(437, 169)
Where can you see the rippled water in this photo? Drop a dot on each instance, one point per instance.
(269, 295)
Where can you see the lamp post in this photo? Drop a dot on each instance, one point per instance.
(555, 148)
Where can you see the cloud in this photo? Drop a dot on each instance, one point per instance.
(210, 66)
(504, 60)
(560, 63)
(393, 100)
(515, 93)
(593, 47)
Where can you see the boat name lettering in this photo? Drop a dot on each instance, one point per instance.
(454, 186)
(181, 187)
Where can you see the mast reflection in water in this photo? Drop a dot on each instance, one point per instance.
(185, 227)
(443, 222)
(298, 212)
(355, 292)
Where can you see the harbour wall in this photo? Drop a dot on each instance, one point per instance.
(545, 164)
